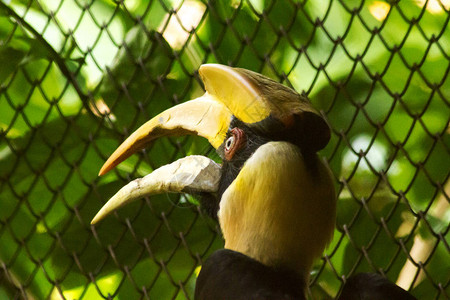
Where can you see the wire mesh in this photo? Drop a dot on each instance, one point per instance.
(79, 76)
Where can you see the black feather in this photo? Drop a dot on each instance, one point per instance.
(270, 129)
(372, 286)
(230, 169)
(228, 274)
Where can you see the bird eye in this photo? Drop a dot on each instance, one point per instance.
(229, 143)
(236, 141)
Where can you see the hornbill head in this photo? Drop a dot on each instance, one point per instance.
(273, 197)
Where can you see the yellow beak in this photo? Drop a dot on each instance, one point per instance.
(203, 116)
(259, 102)
(194, 173)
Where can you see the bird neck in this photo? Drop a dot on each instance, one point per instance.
(276, 211)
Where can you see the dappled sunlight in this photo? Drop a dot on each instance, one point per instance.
(77, 77)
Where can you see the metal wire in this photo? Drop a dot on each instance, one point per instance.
(79, 76)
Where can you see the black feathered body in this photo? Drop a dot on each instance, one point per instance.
(228, 274)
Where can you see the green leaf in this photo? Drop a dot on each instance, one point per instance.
(9, 59)
(136, 79)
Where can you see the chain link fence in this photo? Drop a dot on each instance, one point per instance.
(78, 76)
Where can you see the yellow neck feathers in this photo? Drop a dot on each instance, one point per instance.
(276, 211)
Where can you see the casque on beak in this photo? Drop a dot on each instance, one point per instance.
(262, 104)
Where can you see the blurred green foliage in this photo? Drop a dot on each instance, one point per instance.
(77, 77)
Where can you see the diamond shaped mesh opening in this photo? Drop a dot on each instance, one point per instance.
(78, 76)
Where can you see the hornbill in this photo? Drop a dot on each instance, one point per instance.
(273, 197)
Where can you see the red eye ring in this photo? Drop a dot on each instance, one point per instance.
(230, 143)
(235, 142)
